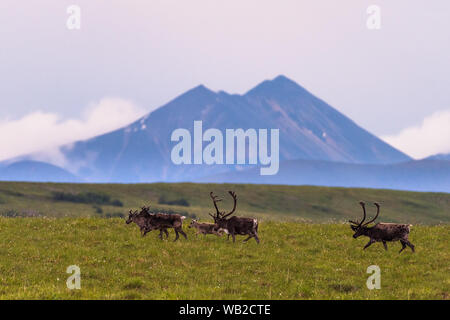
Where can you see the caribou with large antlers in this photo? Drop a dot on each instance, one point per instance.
(234, 225)
(381, 232)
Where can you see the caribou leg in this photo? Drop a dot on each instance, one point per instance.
(180, 231)
(256, 238)
(403, 245)
(167, 233)
(176, 235)
(368, 244)
(145, 232)
(249, 237)
(409, 244)
(385, 245)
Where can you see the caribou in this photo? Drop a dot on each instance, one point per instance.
(160, 221)
(381, 232)
(148, 221)
(234, 225)
(205, 228)
(141, 219)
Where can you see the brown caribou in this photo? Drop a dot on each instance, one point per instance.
(205, 228)
(142, 219)
(234, 225)
(159, 221)
(381, 232)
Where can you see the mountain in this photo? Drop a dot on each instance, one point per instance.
(440, 156)
(423, 175)
(309, 129)
(35, 171)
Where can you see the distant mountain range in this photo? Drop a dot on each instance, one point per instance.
(35, 171)
(423, 175)
(440, 156)
(312, 135)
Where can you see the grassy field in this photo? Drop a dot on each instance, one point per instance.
(287, 203)
(293, 261)
(306, 251)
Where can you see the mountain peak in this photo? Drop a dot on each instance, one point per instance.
(282, 79)
(199, 92)
(201, 89)
(280, 83)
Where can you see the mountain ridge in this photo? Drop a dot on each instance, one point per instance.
(439, 156)
(35, 171)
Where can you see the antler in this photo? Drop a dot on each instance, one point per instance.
(145, 210)
(215, 200)
(364, 215)
(233, 195)
(376, 216)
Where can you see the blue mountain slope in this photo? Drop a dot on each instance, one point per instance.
(35, 171)
(440, 156)
(316, 130)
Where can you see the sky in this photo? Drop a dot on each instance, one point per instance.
(130, 57)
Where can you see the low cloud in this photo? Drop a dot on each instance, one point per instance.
(39, 131)
(432, 136)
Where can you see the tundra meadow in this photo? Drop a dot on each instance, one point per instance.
(301, 255)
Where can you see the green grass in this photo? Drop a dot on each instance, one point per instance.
(306, 251)
(287, 203)
(293, 261)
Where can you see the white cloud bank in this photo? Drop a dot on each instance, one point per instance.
(39, 131)
(432, 136)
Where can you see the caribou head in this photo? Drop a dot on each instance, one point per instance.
(131, 216)
(360, 228)
(193, 223)
(134, 215)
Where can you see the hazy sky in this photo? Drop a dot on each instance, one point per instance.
(394, 81)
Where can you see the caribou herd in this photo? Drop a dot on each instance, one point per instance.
(224, 222)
